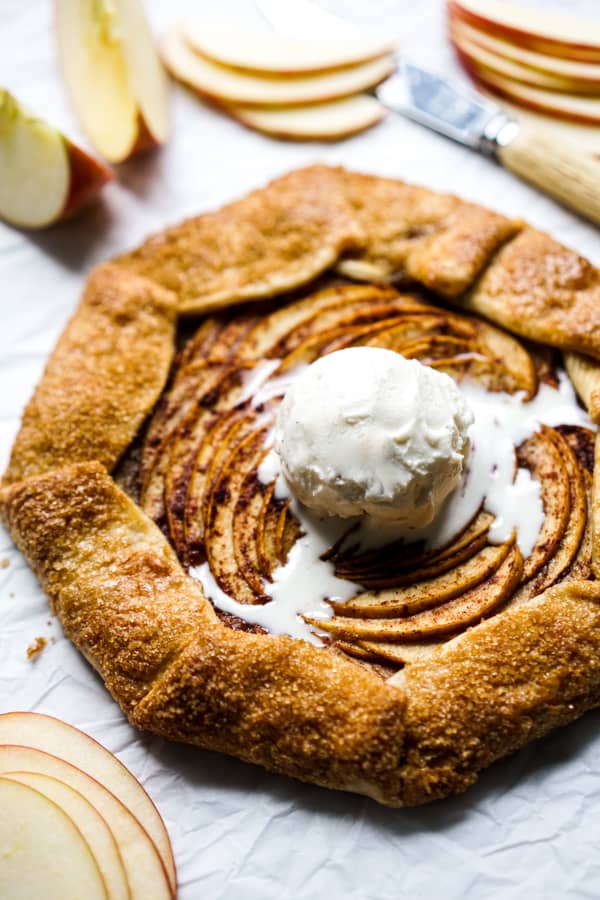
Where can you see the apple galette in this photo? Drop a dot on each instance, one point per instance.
(347, 530)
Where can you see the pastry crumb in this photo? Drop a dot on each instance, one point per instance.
(4, 563)
(36, 647)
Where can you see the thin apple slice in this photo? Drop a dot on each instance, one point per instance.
(114, 75)
(219, 522)
(516, 71)
(552, 32)
(390, 570)
(584, 373)
(574, 108)
(182, 449)
(415, 598)
(403, 654)
(438, 346)
(43, 176)
(245, 524)
(225, 85)
(266, 531)
(570, 538)
(146, 75)
(405, 558)
(77, 748)
(268, 338)
(90, 823)
(585, 72)
(364, 310)
(145, 871)
(542, 455)
(267, 52)
(226, 432)
(470, 607)
(42, 852)
(330, 121)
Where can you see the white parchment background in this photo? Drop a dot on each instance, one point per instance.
(531, 827)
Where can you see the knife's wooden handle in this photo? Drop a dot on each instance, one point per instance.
(559, 168)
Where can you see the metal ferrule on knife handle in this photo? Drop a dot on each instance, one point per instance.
(558, 168)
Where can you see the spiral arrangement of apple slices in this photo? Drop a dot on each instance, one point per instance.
(201, 454)
(545, 61)
(74, 822)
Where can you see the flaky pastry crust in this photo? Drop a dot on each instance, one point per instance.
(144, 624)
(103, 377)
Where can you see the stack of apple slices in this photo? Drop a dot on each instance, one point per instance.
(544, 61)
(284, 87)
(74, 822)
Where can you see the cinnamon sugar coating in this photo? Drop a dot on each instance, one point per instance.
(438, 240)
(543, 291)
(499, 686)
(120, 591)
(270, 241)
(103, 377)
(123, 599)
(112, 579)
(125, 602)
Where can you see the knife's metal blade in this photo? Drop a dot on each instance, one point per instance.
(439, 104)
(304, 19)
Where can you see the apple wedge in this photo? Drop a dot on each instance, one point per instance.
(224, 85)
(43, 176)
(515, 71)
(585, 73)
(554, 103)
(91, 825)
(552, 32)
(143, 867)
(115, 79)
(53, 736)
(270, 53)
(317, 122)
(42, 852)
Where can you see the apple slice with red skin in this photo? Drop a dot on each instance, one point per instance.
(579, 71)
(52, 736)
(548, 31)
(114, 75)
(43, 176)
(565, 106)
(42, 852)
(516, 71)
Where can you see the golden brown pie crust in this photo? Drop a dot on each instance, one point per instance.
(144, 624)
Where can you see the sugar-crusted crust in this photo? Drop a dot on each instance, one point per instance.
(251, 248)
(103, 377)
(122, 595)
(123, 599)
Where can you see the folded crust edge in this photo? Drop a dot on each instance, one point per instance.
(176, 671)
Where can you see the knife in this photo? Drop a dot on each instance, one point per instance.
(557, 167)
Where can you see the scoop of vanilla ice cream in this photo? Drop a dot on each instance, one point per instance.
(366, 431)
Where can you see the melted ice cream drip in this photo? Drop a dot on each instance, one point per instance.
(490, 480)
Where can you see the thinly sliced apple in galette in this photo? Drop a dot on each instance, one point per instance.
(307, 482)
